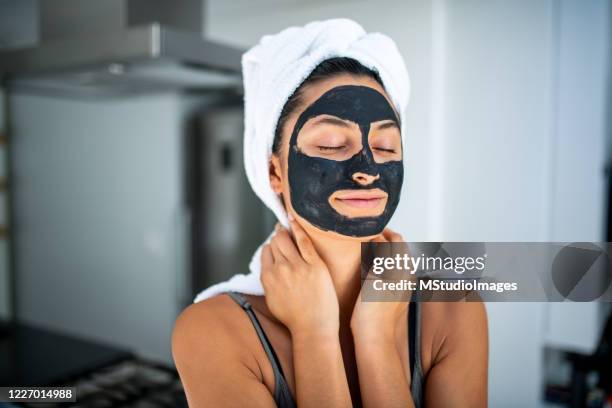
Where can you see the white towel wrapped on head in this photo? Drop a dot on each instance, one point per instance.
(272, 70)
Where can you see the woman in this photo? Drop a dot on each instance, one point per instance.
(336, 165)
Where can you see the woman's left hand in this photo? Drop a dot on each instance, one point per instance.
(378, 318)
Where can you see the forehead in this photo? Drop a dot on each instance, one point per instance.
(346, 96)
(356, 103)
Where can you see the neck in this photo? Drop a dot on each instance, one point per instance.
(344, 269)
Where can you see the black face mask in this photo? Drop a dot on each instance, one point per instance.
(312, 180)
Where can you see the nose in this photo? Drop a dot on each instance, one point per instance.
(365, 179)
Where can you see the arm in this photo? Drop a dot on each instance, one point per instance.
(213, 371)
(382, 378)
(458, 377)
(319, 370)
(300, 293)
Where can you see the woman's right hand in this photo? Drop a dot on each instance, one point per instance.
(298, 287)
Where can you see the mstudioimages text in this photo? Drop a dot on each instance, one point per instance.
(444, 285)
(458, 264)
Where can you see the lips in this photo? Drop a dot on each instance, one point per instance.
(362, 199)
(367, 203)
(360, 194)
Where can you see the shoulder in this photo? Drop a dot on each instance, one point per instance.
(460, 326)
(464, 314)
(216, 355)
(210, 331)
(459, 355)
(457, 315)
(205, 317)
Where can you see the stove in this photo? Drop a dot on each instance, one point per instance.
(131, 383)
(103, 375)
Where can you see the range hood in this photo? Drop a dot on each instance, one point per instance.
(116, 47)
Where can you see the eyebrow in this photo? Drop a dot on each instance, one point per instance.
(386, 125)
(339, 122)
(331, 121)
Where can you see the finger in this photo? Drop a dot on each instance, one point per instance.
(398, 245)
(285, 245)
(379, 238)
(303, 242)
(392, 236)
(267, 259)
(276, 253)
(381, 250)
(373, 250)
(267, 262)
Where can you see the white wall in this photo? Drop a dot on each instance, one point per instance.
(577, 202)
(505, 93)
(492, 163)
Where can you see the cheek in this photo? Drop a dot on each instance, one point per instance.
(285, 184)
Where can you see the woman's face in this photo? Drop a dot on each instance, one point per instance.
(339, 168)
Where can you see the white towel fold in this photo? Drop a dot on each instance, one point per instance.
(272, 70)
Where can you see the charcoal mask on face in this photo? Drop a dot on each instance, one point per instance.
(312, 180)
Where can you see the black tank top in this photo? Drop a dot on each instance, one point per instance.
(282, 393)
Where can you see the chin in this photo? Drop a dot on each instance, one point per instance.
(314, 229)
(337, 235)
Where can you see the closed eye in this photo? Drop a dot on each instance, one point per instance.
(380, 149)
(328, 148)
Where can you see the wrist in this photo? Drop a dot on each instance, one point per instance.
(314, 333)
(376, 329)
(371, 334)
(372, 344)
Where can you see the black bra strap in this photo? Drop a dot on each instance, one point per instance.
(412, 312)
(241, 300)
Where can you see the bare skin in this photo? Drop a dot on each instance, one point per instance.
(334, 349)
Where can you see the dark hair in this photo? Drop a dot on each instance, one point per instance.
(326, 69)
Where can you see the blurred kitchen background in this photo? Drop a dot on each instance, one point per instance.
(123, 195)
